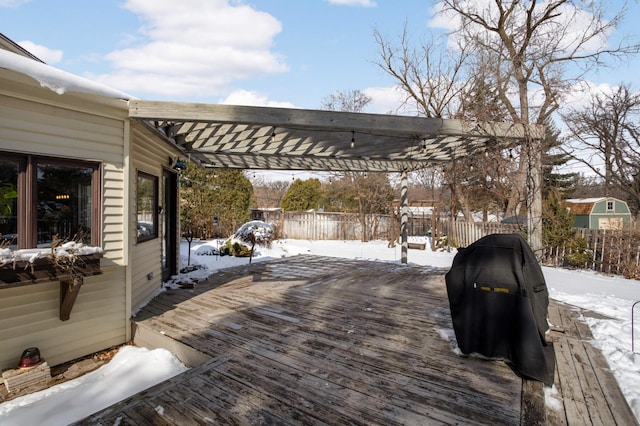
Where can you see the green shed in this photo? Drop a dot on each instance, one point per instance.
(599, 213)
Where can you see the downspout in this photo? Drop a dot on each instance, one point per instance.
(127, 252)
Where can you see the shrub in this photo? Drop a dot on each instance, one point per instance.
(234, 248)
(577, 254)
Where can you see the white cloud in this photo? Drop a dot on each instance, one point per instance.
(194, 48)
(582, 92)
(386, 100)
(245, 97)
(13, 3)
(49, 56)
(365, 3)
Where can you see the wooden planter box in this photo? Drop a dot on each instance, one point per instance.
(45, 269)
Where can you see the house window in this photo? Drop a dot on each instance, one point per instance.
(609, 206)
(9, 203)
(42, 199)
(147, 207)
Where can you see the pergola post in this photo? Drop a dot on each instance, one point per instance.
(534, 197)
(404, 213)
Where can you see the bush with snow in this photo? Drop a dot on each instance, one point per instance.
(254, 233)
(207, 250)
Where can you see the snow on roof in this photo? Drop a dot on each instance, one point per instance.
(55, 79)
(584, 200)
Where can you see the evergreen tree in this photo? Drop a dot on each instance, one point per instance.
(557, 220)
(552, 158)
(302, 195)
(207, 193)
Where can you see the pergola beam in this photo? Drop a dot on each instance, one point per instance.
(327, 120)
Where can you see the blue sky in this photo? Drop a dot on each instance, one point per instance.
(290, 53)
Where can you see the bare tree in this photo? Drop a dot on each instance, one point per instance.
(530, 46)
(429, 78)
(269, 193)
(431, 180)
(605, 137)
(372, 192)
(533, 44)
(350, 101)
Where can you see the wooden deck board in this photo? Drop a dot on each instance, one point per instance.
(312, 341)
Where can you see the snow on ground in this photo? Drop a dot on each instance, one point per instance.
(129, 371)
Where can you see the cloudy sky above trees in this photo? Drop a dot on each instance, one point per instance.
(261, 52)
(279, 53)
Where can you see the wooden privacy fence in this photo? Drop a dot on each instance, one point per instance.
(332, 226)
(462, 234)
(607, 251)
(313, 225)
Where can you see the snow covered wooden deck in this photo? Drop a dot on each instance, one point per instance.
(314, 340)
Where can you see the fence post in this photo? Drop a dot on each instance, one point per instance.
(594, 240)
(632, 326)
(604, 237)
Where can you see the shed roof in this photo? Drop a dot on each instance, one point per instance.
(584, 206)
(581, 208)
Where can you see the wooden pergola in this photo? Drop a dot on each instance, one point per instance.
(265, 138)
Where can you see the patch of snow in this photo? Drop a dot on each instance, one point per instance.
(130, 371)
(610, 297)
(55, 79)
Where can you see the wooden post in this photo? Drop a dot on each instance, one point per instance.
(434, 227)
(69, 290)
(404, 214)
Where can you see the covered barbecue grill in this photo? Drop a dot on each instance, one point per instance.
(499, 304)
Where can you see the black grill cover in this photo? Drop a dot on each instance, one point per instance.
(499, 304)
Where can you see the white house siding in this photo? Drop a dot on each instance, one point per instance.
(38, 121)
(150, 155)
(30, 317)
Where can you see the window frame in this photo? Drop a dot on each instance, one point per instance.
(612, 204)
(155, 205)
(28, 192)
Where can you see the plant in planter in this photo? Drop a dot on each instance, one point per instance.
(67, 262)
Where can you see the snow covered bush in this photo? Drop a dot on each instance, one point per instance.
(254, 233)
(207, 250)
